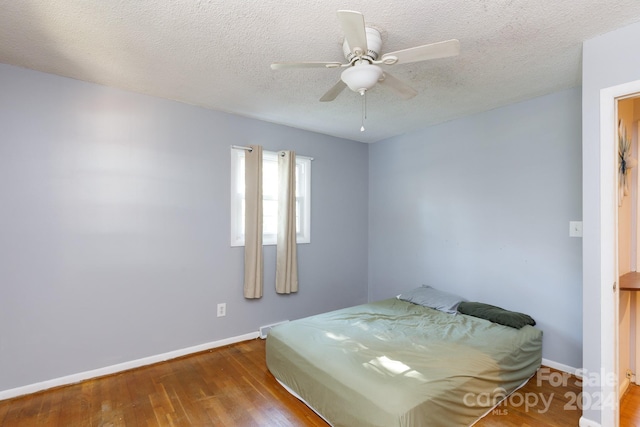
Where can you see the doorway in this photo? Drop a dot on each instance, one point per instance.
(609, 298)
(628, 113)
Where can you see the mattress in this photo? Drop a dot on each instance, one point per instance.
(394, 363)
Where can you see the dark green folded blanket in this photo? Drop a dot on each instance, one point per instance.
(496, 314)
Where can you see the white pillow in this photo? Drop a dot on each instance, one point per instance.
(433, 298)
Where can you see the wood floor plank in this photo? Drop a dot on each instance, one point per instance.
(231, 386)
(630, 407)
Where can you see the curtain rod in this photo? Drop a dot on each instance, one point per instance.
(249, 149)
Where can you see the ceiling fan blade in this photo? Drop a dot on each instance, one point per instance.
(398, 86)
(354, 30)
(422, 53)
(309, 64)
(333, 92)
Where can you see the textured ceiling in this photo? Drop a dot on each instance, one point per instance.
(217, 54)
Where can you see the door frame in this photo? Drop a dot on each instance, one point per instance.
(609, 295)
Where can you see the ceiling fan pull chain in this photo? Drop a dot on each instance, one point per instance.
(364, 109)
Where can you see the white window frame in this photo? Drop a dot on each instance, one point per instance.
(303, 197)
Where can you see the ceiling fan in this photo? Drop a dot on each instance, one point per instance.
(361, 50)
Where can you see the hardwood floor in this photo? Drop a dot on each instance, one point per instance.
(228, 386)
(630, 407)
(231, 386)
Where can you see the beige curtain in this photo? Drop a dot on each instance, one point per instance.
(286, 257)
(253, 259)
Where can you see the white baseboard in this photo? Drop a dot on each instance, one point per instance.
(588, 423)
(108, 370)
(624, 385)
(562, 367)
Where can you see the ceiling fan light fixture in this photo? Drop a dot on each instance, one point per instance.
(361, 77)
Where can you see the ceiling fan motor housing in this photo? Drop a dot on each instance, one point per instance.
(374, 43)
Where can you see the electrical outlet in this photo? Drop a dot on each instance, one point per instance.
(222, 309)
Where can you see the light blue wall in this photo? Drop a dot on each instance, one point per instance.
(114, 222)
(481, 206)
(114, 227)
(608, 60)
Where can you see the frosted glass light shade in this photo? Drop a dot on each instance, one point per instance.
(361, 77)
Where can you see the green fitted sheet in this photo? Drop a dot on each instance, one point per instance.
(393, 363)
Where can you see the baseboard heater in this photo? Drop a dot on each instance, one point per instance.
(264, 330)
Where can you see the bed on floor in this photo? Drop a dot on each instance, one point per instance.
(399, 363)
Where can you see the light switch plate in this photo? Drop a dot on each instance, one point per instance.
(575, 228)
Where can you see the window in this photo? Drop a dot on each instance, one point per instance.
(270, 197)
